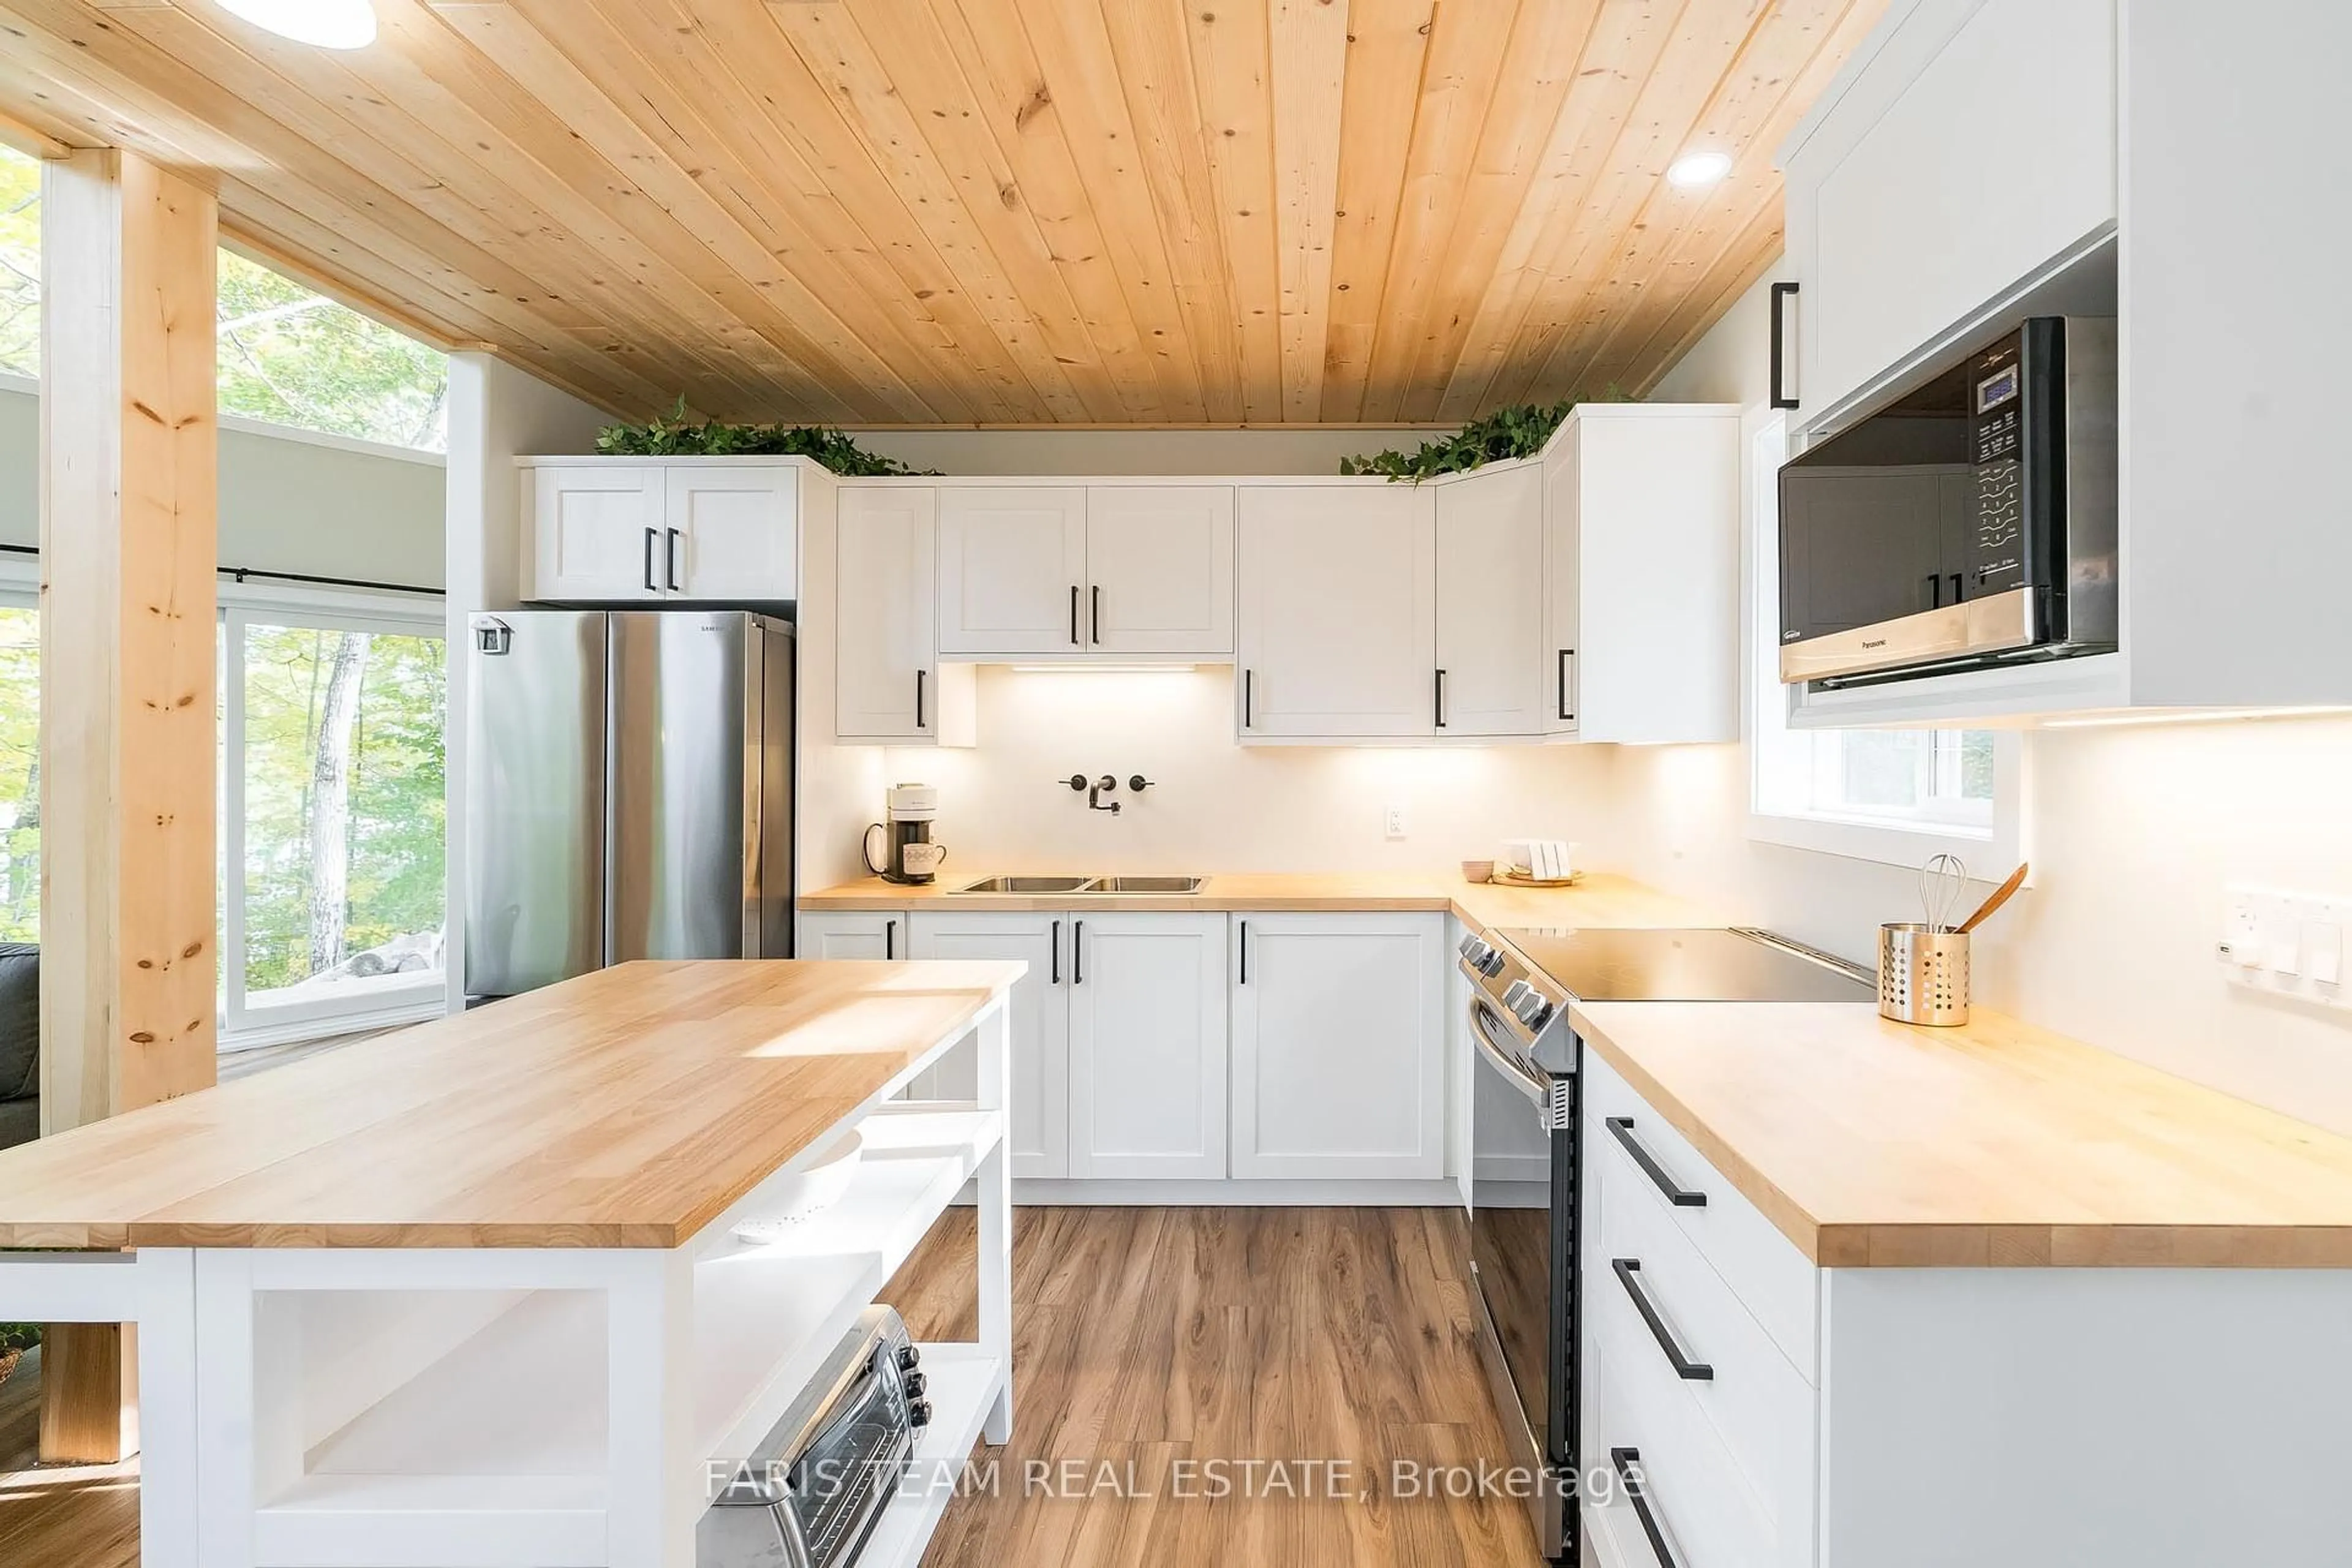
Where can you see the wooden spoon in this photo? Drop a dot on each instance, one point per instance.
(2000, 896)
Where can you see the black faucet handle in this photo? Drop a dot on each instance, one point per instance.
(1077, 781)
(1139, 784)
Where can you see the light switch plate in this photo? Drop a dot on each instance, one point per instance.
(2286, 943)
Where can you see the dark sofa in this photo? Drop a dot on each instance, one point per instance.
(20, 1043)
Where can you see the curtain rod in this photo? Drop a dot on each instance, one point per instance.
(242, 572)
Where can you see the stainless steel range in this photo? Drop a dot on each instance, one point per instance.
(1523, 1228)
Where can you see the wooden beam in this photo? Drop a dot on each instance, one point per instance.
(31, 139)
(129, 458)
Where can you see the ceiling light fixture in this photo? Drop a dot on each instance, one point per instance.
(329, 24)
(1692, 170)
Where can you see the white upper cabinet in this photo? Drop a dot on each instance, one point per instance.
(729, 534)
(1336, 633)
(1976, 145)
(596, 531)
(1013, 569)
(1491, 679)
(1159, 569)
(1073, 570)
(1642, 570)
(619, 532)
(886, 649)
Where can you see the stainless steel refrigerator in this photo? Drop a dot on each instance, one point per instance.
(628, 790)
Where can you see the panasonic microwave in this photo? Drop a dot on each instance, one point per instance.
(1968, 523)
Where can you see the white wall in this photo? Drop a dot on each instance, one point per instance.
(1005, 804)
(2134, 831)
(289, 501)
(1049, 451)
(497, 413)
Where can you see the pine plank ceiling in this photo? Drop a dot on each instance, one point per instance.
(1018, 212)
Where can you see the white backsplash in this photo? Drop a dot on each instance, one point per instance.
(1006, 805)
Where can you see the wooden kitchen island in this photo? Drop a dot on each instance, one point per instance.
(469, 1293)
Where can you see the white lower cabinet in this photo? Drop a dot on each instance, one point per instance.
(1148, 1047)
(1338, 1045)
(1038, 1135)
(861, 934)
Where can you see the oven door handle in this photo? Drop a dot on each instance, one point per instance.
(1499, 1057)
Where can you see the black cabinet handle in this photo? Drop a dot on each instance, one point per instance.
(1627, 1463)
(889, 938)
(1249, 691)
(1055, 979)
(1628, 1271)
(1094, 624)
(1565, 654)
(919, 676)
(1438, 705)
(1781, 293)
(1934, 591)
(1077, 953)
(669, 560)
(1682, 1197)
(1956, 588)
(1074, 614)
(651, 586)
(1245, 953)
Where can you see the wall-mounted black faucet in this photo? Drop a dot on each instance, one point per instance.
(1097, 788)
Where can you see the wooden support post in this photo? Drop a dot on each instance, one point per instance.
(129, 456)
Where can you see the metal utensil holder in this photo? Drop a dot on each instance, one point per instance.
(1923, 974)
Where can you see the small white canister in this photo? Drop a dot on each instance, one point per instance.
(1923, 974)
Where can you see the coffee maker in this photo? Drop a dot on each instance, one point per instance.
(909, 854)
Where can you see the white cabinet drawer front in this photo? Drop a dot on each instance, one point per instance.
(1754, 1401)
(1777, 1284)
(1705, 1507)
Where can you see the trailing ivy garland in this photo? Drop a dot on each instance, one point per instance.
(1508, 433)
(673, 435)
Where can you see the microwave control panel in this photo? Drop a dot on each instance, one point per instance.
(1996, 411)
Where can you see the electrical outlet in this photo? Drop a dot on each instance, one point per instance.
(1396, 821)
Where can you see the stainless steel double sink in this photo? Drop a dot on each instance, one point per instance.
(1086, 885)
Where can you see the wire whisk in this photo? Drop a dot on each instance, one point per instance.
(1943, 883)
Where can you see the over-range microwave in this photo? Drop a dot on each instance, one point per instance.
(1968, 523)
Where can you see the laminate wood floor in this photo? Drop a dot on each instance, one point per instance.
(1145, 1341)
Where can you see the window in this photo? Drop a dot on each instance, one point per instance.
(1897, 796)
(20, 264)
(332, 817)
(292, 357)
(20, 747)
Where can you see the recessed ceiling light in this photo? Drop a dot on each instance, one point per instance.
(1694, 169)
(329, 24)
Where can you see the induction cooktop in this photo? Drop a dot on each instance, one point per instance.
(1695, 964)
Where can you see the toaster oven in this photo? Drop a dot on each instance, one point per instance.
(811, 1494)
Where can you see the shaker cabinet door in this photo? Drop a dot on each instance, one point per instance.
(1147, 1045)
(1336, 632)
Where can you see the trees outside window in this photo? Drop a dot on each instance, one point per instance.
(333, 811)
(20, 770)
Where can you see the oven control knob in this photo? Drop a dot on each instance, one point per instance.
(919, 1412)
(1491, 963)
(1515, 996)
(909, 1358)
(914, 1384)
(1472, 948)
(1535, 1012)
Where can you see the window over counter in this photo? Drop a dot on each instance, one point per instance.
(20, 762)
(333, 823)
(1894, 795)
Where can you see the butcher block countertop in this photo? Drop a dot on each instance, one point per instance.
(1599, 899)
(624, 1109)
(1996, 1144)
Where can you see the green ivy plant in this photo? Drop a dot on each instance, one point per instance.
(673, 435)
(19, 1336)
(1516, 432)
